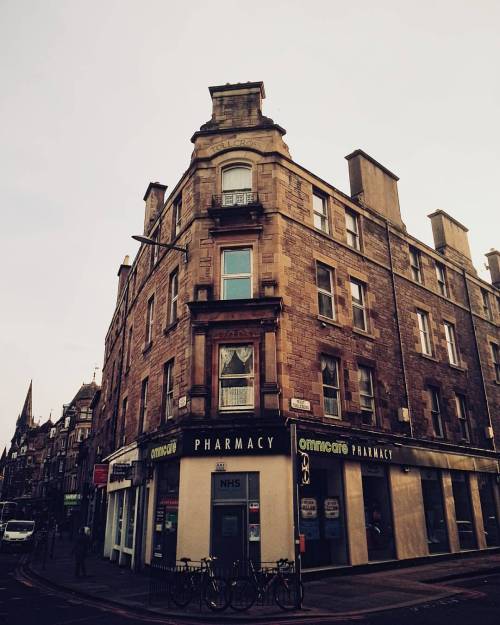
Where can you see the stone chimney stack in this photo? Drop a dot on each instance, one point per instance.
(451, 239)
(155, 199)
(237, 105)
(493, 257)
(123, 272)
(374, 186)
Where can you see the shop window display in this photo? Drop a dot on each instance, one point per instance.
(131, 501)
(435, 522)
(378, 515)
(166, 514)
(463, 510)
(322, 517)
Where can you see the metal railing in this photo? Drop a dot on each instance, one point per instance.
(235, 198)
(206, 585)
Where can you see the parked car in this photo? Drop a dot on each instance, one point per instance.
(18, 535)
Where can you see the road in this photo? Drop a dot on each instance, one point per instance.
(25, 603)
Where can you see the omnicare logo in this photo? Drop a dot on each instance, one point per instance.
(329, 447)
(168, 449)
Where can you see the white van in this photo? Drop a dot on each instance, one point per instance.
(18, 534)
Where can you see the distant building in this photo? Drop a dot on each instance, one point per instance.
(23, 462)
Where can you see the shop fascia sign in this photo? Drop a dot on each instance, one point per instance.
(72, 499)
(165, 450)
(324, 446)
(120, 471)
(236, 443)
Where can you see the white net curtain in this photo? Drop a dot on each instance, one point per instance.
(236, 377)
(237, 185)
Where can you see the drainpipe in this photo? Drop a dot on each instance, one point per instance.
(398, 327)
(478, 354)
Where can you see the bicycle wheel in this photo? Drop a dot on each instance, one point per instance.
(216, 594)
(288, 593)
(181, 590)
(242, 594)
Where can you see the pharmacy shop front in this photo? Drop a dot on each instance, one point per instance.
(371, 501)
(226, 493)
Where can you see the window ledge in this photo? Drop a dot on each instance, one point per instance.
(329, 321)
(367, 335)
(170, 327)
(427, 357)
(147, 347)
(457, 367)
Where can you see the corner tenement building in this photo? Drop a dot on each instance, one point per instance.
(286, 301)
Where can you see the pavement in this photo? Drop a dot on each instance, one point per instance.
(346, 595)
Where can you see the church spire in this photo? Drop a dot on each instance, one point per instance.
(26, 416)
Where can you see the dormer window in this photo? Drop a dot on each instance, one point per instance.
(237, 185)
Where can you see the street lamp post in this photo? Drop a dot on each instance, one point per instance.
(168, 246)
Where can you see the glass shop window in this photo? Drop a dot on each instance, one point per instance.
(166, 514)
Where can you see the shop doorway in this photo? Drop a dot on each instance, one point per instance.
(488, 508)
(463, 510)
(235, 533)
(378, 514)
(435, 522)
(229, 534)
(322, 516)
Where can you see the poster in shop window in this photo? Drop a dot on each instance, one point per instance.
(331, 508)
(309, 508)
(254, 532)
(309, 522)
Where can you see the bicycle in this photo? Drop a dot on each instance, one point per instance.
(201, 581)
(287, 589)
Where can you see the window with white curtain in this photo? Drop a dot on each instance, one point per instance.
(236, 377)
(236, 185)
(331, 387)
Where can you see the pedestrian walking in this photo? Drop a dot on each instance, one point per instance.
(80, 552)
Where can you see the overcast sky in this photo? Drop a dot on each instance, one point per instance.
(100, 97)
